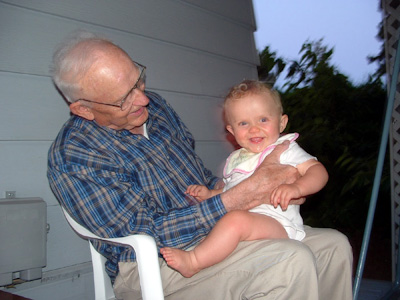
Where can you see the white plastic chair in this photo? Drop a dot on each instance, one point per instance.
(146, 257)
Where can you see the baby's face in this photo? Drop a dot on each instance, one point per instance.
(255, 121)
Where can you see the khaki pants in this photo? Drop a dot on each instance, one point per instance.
(319, 267)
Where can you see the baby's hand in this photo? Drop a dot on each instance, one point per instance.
(283, 194)
(200, 192)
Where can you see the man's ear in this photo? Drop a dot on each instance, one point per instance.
(81, 110)
(284, 120)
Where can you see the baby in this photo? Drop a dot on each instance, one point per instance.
(254, 116)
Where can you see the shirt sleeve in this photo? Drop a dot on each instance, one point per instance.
(111, 204)
(295, 155)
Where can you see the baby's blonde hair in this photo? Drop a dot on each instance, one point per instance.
(248, 87)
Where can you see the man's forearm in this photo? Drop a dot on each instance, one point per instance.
(240, 197)
(257, 189)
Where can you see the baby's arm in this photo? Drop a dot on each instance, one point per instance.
(201, 192)
(314, 178)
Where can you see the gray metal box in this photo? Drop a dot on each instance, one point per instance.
(23, 233)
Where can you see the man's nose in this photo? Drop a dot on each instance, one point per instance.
(140, 98)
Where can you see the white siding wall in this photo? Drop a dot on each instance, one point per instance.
(194, 50)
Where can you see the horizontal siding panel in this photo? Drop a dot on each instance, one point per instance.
(202, 115)
(165, 20)
(195, 72)
(192, 72)
(27, 40)
(238, 10)
(32, 109)
(214, 155)
(63, 240)
(24, 167)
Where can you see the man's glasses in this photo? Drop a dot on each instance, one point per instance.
(127, 100)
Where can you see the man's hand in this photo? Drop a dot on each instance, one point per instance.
(257, 189)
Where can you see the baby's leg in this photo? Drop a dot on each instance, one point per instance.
(234, 227)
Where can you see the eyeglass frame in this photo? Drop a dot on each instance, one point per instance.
(142, 76)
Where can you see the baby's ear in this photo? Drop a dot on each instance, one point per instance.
(284, 120)
(230, 129)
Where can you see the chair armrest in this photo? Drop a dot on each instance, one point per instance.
(148, 264)
(146, 256)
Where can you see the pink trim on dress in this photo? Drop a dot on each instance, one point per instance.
(264, 153)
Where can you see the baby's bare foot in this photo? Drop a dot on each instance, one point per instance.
(180, 260)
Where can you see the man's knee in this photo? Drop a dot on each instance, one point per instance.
(294, 254)
(339, 244)
(304, 258)
(343, 243)
(282, 269)
(342, 250)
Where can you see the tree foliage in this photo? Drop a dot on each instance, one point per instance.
(339, 123)
(271, 66)
(380, 57)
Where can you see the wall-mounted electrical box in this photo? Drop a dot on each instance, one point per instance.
(23, 233)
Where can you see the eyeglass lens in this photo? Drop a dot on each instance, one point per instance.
(127, 101)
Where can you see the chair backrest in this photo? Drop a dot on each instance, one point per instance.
(102, 284)
(147, 260)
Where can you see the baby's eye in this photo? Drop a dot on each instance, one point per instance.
(263, 120)
(242, 123)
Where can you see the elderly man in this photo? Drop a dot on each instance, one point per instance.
(121, 164)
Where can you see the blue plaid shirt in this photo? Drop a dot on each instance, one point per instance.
(117, 183)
